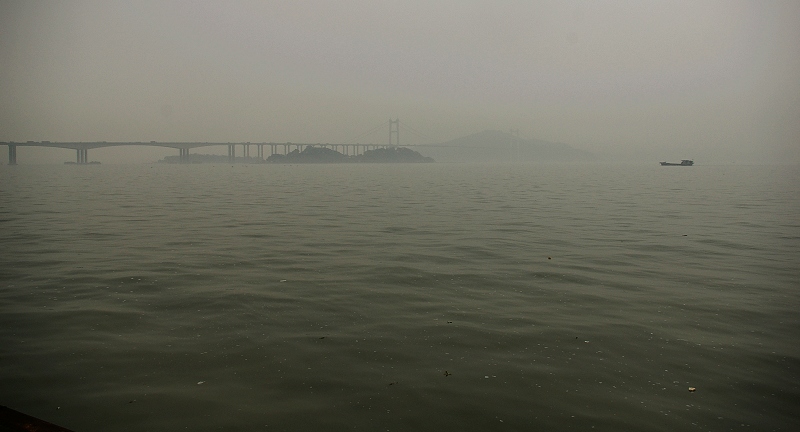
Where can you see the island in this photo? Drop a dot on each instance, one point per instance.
(313, 154)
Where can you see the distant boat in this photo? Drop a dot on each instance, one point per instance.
(685, 162)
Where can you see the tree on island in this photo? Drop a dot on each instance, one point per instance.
(310, 154)
(392, 155)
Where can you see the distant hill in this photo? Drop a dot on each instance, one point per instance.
(498, 146)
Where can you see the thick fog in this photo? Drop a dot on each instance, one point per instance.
(717, 81)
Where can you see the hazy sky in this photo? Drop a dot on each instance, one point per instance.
(711, 80)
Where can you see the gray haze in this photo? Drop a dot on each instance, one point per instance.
(717, 81)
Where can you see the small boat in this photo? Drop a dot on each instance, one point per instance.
(685, 162)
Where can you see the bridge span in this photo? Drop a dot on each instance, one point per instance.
(82, 148)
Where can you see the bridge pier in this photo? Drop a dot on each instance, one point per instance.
(231, 153)
(184, 155)
(82, 156)
(12, 154)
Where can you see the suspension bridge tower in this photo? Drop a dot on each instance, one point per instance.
(394, 133)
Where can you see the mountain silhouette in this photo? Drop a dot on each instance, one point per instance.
(499, 146)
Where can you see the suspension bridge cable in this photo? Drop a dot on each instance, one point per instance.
(418, 133)
(371, 131)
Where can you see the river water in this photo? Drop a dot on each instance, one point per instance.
(401, 297)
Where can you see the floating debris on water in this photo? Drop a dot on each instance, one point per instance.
(446, 373)
(692, 389)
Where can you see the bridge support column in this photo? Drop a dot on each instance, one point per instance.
(231, 153)
(12, 154)
(82, 156)
(184, 155)
(260, 152)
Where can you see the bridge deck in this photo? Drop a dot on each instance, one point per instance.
(83, 148)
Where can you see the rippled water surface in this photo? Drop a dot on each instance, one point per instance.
(401, 297)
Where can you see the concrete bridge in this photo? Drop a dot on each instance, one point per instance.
(82, 148)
